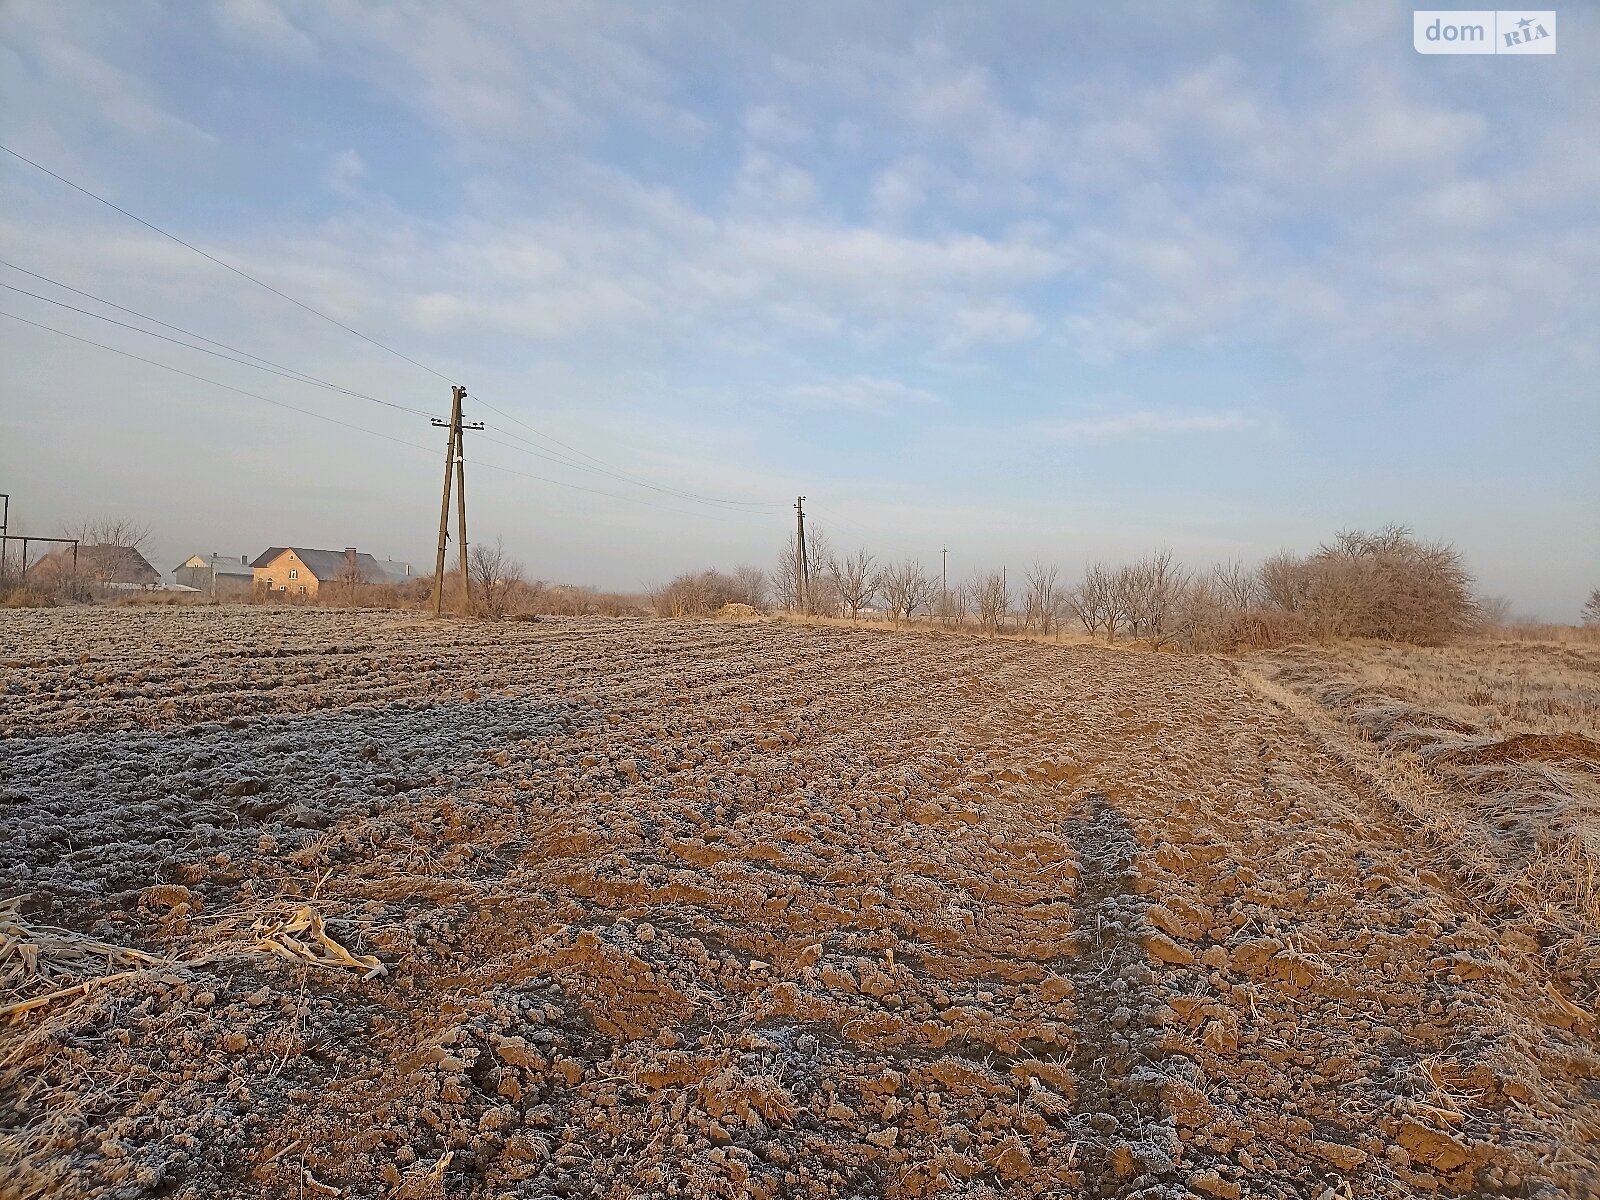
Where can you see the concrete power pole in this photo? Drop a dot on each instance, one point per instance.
(944, 585)
(802, 567)
(454, 461)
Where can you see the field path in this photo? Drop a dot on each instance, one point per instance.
(717, 910)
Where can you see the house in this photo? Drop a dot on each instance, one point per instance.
(216, 575)
(114, 568)
(297, 571)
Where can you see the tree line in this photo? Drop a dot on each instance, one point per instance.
(1386, 584)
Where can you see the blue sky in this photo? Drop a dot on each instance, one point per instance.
(1057, 281)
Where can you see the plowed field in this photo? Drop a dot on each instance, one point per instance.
(715, 910)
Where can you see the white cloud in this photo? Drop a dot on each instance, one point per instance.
(346, 173)
(65, 70)
(898, 190)
(768, 184)
(775, 123)
(262, 24)
(861, 394)
(1000, 321)
(1145, 423)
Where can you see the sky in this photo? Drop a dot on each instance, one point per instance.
(1046, 281)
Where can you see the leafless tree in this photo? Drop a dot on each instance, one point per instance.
(922, 592)
(1591, 609)
(1389, 585)
(351, 581)
(497, 579)
(750, 582)
(1235, 585)
(1493, 612)
(855, 581)
(97, 568)
(992, 598)
(1093, 601)
(1283, 581)
(111, 531)
(905, 587)
(958, 601)
(785, 580)
(1041, 598)
(1148, 595)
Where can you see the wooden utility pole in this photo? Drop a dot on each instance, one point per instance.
(444, 504)
(802, 567)
(454, 460)
(461, 511)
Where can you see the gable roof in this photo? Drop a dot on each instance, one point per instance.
(328, 565)
(221, 564)
(105, 564)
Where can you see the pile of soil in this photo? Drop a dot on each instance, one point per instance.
(723, 910)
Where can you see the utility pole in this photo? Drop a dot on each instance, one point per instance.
(453, 461)
(802, 568)
(944, 585)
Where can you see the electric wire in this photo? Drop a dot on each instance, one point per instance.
(291, 373)
(429, 450)
(623, 477)
(222, 263)
(287, 373)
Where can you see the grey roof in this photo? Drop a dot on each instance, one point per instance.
(107, 564)
(222, 564)
(327, 565)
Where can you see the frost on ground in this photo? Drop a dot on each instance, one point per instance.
(726, 909)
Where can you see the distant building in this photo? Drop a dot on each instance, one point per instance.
(296, 571)
(216, 575)
(114, 568)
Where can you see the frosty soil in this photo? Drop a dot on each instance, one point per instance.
(695, 909)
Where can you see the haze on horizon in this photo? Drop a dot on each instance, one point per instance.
(1020, 280)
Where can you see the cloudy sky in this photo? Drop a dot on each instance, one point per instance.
(1038, 280)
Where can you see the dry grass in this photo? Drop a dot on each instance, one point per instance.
(1492, 747)
(1493, 685)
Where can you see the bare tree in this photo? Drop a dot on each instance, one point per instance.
(498, 577)
(1093, 601)
(123, 540)
(750, 582)
(1235, 585)
(1389, 585)
(824, 600)
(1493, 612)
(785, 580)
(1041, 598)
(111, 531)
(1283, 581)
(1148, 595)
(992, 598)
(1591, 609)
(922, 592)
(854, 580)
(351, 580)
(905, 587)
(958, 600)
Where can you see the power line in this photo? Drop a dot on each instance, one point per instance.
(221, 263)
(287, 372)
(537, 452)
(297, 376)
(600, 465)
(144, 316)
(336, 421)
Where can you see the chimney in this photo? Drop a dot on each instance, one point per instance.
(244, 560)
(350, 553)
